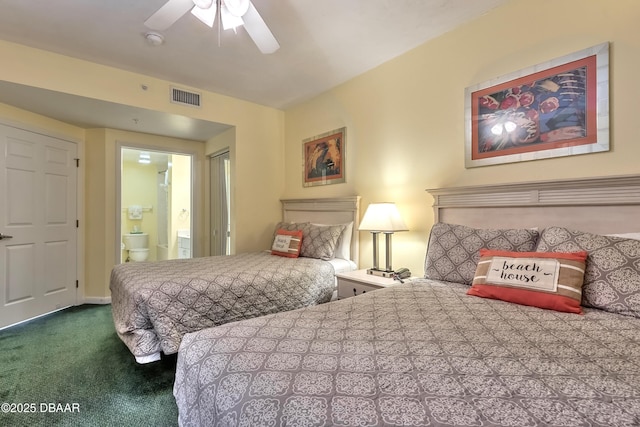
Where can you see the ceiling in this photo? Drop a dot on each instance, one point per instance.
(323, 44)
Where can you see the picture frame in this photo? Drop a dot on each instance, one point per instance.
(323, 158)
(553, 109)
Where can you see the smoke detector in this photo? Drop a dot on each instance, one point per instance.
(154, 39)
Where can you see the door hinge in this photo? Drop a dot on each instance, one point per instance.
(77, 162)
(77, 284)
(77, 223)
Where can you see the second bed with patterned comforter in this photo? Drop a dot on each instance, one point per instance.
(156, 303)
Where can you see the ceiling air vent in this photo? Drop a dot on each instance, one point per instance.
(179, 96)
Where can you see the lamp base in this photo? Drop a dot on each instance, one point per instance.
(381, 273)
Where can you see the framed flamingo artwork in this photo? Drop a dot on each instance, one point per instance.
(557, 108)
(324, 158)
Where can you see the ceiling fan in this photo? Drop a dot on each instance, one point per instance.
(229, 13)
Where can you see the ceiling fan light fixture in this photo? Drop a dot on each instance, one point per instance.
(237, 7)
(203, 4)
(233, 13)
(229, 20)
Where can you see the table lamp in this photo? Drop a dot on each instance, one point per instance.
(382, 218)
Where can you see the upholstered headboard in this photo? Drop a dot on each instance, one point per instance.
(598, 205)
(337, 210)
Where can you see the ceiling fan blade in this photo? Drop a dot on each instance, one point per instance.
(259, 32)
(169, 13)
(207, 16)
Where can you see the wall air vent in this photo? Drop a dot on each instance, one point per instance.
(179, 96)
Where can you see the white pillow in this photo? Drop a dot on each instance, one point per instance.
(343, 248)
(635, 236)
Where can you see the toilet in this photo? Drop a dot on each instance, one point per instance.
(138, 246)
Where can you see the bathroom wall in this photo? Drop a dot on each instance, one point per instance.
(180, 202)
(139, 187)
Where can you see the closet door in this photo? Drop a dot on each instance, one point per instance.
(38, 179)
(220, 169)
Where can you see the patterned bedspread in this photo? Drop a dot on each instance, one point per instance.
(156, 303)
(417, 354)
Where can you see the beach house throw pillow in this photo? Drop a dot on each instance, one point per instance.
(287, 243)
(546, 280)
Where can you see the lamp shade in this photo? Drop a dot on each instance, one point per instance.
(383, 217)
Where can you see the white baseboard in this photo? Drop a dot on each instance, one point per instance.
(97, 300)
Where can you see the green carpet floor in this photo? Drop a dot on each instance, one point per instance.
(74, 357)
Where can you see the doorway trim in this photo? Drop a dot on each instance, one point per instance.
(193, 217)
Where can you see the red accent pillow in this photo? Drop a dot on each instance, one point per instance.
(550, 280)
(287, 243)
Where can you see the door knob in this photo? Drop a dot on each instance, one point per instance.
(4, 236)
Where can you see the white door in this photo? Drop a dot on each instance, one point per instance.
(38, 179)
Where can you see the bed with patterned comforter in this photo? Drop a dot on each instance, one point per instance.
(156, 303)
(422, 353)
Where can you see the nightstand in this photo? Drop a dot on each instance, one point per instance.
(359, 282)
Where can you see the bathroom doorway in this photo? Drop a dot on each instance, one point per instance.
(156, 204)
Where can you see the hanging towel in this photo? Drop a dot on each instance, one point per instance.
(135, 212)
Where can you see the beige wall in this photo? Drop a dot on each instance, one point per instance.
(259, 144)
(405, 119)
(99, 226)
(13, 115)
